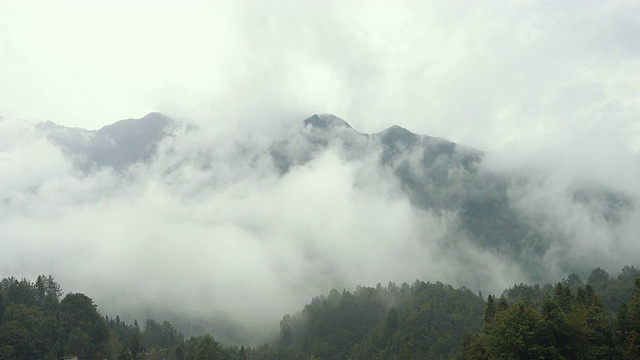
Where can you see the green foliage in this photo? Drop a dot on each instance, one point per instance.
(618, 290)
(120, 336)
(490, 310)
(515, 334)
(563, 326)
(36, 324)
(203, 348)
(270, 352)
(472, 348)
(134, 347)
(628, 321)
(423, 320)
(570, 320)
(160, 336)
(599, 279)
(179, 353)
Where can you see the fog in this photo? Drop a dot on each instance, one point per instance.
(210, 230)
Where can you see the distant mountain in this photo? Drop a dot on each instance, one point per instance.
(445, 178)
(437, 175)
(117, 145)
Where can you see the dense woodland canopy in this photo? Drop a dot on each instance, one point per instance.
(573, 319)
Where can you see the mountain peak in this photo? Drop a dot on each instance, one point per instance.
(398, 134)
(325, 122)
(150, 121)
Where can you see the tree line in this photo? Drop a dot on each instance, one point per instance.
(572, 319)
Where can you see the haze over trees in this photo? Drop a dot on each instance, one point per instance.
(568, 320)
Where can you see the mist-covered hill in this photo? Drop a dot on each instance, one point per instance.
(143, 204)
(437, 176)
(117, 145)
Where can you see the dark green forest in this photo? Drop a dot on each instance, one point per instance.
(573, 319)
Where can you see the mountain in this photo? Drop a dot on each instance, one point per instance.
(117, 145)
(447, 179)
(438, 176)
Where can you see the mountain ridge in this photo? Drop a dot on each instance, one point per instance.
(437, 176)
(117, 145)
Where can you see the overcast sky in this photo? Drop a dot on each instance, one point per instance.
(550, 89)
(485, 73)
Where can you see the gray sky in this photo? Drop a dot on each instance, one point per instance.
(551, 89)
(486, 74)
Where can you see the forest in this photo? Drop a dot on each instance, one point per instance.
(573, 319)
